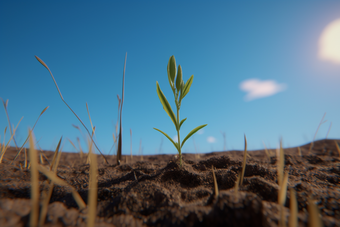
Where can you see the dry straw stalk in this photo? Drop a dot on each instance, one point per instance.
(43, 63)
(215, 182)
(34, 183)
(244, 160)
(93, 188)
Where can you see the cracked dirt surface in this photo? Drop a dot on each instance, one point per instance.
(157, 192)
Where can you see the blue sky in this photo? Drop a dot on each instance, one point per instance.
(256, 71)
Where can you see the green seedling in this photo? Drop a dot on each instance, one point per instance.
(180, 91)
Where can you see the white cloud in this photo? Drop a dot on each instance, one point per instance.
(259, 89)
(211, 139)
(175, 138)
(201, 131)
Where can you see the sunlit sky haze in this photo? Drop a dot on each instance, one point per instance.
(262, 69)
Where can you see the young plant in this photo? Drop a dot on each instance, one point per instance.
(180, 91)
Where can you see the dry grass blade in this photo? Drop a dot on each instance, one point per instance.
(299, 151)
(81, 133)
(283, 190)
(34, 182)
(25, 158)
(45, 203)
(56, 163)
(93, 128)
(73, 144)
(80, 149)
(119, 101)
(93, 131)
(282, 182)
(2, 147)
(237, 184)
(53, 177)
(55, 155)
(314, 219)
(114, 142)
(29, 135)
(312, 143)
(5, 146)
(46, 159)
(337, 147)
(41, 159)
(93, 188)
(43, 63)
(293, 219)
(280, 166)
(48, 195)
(119, 150)
(75, 194)
(329, 129)
(215, 181)
(266, 150)
(9, 122)
(244, 160)
(113, 135)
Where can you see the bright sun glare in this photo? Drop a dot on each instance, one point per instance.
(329, 42)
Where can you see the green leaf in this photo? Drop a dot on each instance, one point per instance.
(181, 94)
(171, 84)
(182, 121)
(179, 78)
(175, 144)
(166, 105)
(187, 86)
(192, 132)
(172, 70)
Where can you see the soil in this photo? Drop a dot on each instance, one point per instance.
(155, 191)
